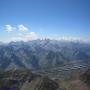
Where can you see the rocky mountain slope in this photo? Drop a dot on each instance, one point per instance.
(25, 80)
(56, 65)
(39, 54)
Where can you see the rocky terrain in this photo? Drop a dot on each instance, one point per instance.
(25, 80)
(42, 54)
(45, 65)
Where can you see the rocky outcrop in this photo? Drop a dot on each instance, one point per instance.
(86, 77)
(42, 83)
(25, 80)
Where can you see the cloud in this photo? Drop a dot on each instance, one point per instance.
(25, 37)
(22, 28)
(22, 33)
(31, 35)
(69, 38)
(8, 28)
(65, 38)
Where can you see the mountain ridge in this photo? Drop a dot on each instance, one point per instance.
(38, 54)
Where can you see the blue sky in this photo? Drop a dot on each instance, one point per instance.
(28, 19)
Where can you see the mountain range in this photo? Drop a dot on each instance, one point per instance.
(43, 54)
